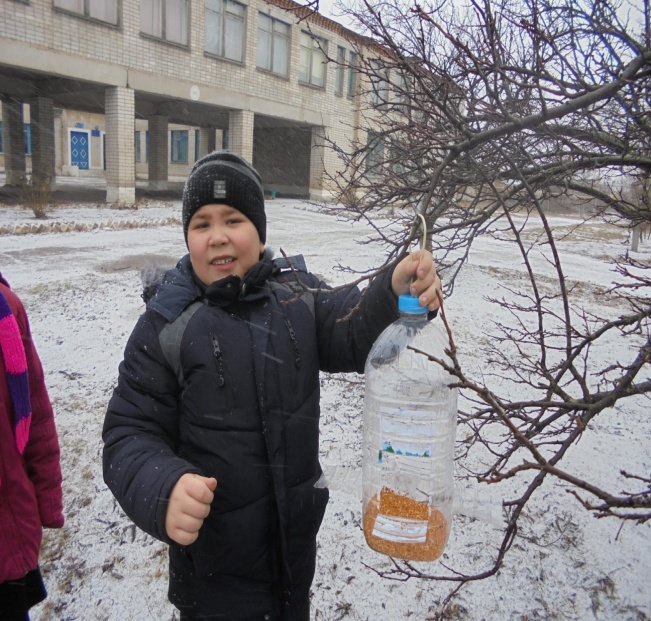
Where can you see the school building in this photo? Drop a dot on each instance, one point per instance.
(131, 89)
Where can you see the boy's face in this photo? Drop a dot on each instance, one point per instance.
(222, 241)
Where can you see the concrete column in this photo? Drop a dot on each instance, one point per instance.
(207, 142)
(41, 118)
(240, 133)
(14, 142)
(158, 152)
(58, 142)
(120, 158)
(317, 166)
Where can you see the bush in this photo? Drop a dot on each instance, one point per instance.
(37, 194)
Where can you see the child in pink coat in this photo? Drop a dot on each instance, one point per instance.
(30, 473)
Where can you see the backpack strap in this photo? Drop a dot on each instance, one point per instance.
(288, 264)
(296, 293)
(170, 339)
(296, 262)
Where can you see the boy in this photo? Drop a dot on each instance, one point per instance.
(211, 436)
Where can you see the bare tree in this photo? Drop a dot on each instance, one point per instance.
(495, 109)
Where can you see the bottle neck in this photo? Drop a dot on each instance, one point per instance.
(408, 305)
(413, 317)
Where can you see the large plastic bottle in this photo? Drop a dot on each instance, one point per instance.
(410, 416)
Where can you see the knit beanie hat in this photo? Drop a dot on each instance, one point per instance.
(224, 177)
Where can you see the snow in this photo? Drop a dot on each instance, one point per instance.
(82, 292)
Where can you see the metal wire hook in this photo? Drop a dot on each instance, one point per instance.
(423, 241)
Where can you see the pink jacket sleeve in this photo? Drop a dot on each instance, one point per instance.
(42, 454)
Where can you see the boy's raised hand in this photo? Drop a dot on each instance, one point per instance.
(188, 507)
(416, 275)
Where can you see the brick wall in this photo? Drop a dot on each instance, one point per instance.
(242, 88)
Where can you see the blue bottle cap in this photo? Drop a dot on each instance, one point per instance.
(410, 304)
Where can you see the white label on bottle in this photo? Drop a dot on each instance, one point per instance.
(416, 467)
(401, 450)
(400, 530)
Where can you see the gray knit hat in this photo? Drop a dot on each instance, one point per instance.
(224, 177)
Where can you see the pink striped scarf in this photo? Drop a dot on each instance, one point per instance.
(13, 352)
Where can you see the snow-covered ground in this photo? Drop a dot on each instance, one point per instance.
(81, 287)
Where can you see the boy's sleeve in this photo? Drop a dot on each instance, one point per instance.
(141, 432)
(349, 321)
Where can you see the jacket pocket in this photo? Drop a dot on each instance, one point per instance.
(237, 543)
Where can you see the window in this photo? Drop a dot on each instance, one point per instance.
(398, 155)
(165, 19)
(273, 45)
(339, 76)
(401, 88)
(2, 142)
(147, 146)
(225, 29)
(379, 83)
(311, 68)
(102, 10)
(27, 132)
(352, 75)
(180, 146)
(136, 145)
(197, 142)
(375, 155)
(28, 139)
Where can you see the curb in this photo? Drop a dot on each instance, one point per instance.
(71, 227)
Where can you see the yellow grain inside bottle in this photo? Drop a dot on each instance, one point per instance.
(389, 504)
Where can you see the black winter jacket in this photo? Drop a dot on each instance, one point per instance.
(248, 415)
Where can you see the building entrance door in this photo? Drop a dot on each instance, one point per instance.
(79, 149)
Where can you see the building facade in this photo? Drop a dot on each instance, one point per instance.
(140, 89)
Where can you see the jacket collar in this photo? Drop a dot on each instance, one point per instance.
(180, 288)
(250, 288)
